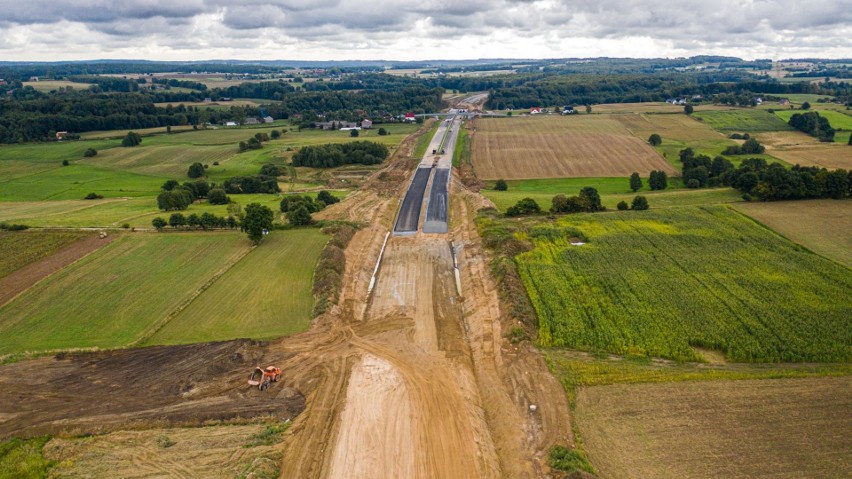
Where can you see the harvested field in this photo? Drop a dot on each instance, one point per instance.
(796, 147)
(822, 226)
(650, 107)
(772, 428)
(158, 386)
(209, 452)
(670, 127)
(59, 255)
(554, 147)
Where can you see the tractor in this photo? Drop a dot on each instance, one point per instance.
(262, 378)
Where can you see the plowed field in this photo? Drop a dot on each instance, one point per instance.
(560, 147)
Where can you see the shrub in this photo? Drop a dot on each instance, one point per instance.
(639, 203)
(196, 170)
(217, 196)
(215, 163)
(65, 163)
(300, 216)
(382, 132)
(170, 185)
(622, 206)
(526, 206)
(270, 170)
(93, 196)
(655, 140)
(164, 442)
(251, 184)
(688, 109)
(692, 183)
(500, 185)
(177, 220)
(90, 152)
(13, 227)
(635, 182)
(131, 139)
(158, 223)
(327, 198)
(569, 460)
(126, 225)
(275, 134)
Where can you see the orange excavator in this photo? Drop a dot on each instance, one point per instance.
(262, 378)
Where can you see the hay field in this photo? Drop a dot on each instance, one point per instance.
(114, 296)
(714, 429)
(560, 147)
(266, 295)
(822, 226)
(796, 147)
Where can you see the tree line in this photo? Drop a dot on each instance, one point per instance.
(336, 154)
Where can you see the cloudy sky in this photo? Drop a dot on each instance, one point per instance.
(421, 29)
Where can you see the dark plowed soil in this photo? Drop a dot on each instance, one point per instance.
(22, 279)
(164, 385)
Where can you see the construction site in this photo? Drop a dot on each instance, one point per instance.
(408, 375)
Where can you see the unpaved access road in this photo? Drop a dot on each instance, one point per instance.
(416, 380)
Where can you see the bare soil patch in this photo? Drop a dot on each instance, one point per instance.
(774, 428)
(560, 147)
(796, 147)
(88, 393)
(22, 279)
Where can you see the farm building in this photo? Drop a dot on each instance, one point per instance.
(535, 110)
(334, 125)
(230, 123)
(61, 135)
(366, 124)
(252, 121)
(268, 119)
(409, 117)
(568, 110)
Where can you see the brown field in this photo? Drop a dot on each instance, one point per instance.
(795, 147)
(822, 226)
(774, 428)
(674, 126)
(560, 147)
(650, 107)
(216, 451)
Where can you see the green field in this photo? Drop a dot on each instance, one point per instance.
(266, 295)
(612, 190)
(662, 282)
(115, 296)
(745, 121)
(21, 248)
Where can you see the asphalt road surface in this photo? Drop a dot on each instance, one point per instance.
(438, 203)
(409, 213)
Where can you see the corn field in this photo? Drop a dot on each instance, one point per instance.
(660, 283)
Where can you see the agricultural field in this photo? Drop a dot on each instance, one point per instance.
(713, 429)
(795, 147)
(48, 85)
(650, 107)
(264, 296)
(742, 120)
(21, 248)
(612, 190)
(115, 296)
(838, 120)
(663, 282)
(822, 226)
(560, 146)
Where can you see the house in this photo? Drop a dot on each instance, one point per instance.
(208, 100)
(366, 124)
(535, 110)
(2, 82)
(268, 119)
(758, 101)
(336, 125)
(225, 98)
(60, 135)
(784, 102)
(568, 110)
(230, 123)
(409, 117)
(251, 121)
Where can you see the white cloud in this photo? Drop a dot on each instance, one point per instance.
(428, 29)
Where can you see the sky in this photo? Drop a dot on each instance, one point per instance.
(185, 30)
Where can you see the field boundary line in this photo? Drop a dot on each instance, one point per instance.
(185, 304)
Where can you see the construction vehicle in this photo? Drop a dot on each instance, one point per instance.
(262, 378)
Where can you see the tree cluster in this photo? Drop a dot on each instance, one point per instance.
(813, 124)
(336, 154)
(700, 171)
(750, 147)
(131, 139)
(588, 200)
(178, 197)
(767, 182)
(251, 184)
